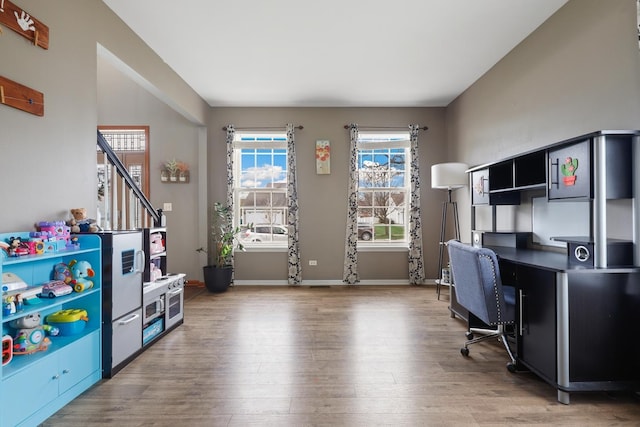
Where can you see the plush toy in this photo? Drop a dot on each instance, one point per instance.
(80, 223)
(62, 272)
(29, 335)
(17, 247)
(80, 270)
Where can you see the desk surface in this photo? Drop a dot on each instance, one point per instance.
(547, 260)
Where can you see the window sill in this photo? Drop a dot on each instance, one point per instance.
(401, 247)
(361, 248)
(265, 248)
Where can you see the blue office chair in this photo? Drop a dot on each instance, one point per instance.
(478, 288)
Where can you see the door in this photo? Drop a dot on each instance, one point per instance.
(174, 306)
(74, 368)
(536, 305)
(127, 337)
(128, 264)
(29, 390)
(570, 171)
(480, 187)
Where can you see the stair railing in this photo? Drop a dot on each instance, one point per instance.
(126, 206)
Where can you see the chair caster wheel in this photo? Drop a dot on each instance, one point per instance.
(469, 335)
(464, 351)
(511, 367)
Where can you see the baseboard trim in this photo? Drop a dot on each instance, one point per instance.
(371, 282)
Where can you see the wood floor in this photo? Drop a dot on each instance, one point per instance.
(329, 356)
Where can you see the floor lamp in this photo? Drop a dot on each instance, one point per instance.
(447, 176)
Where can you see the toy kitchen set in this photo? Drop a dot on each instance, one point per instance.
(162, 292)
(141, 302)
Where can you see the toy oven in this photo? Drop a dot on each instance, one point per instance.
(175, 304)
(153, 307)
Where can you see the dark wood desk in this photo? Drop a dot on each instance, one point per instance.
(576, 326)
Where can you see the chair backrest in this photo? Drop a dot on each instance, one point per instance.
(478, 286)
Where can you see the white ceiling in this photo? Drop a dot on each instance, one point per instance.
(332, 53)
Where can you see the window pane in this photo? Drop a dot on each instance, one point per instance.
(398, 159)
(262, 193)
(365, 199)
(384, 189)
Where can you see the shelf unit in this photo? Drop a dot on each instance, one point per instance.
(157, 257)
(39, 384)
(604, 172)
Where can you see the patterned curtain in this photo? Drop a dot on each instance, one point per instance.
(295, 269)
(416, 261)
(231, 131)
(350, 274)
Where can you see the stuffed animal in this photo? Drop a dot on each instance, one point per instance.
(29, 335)
(80, 270)
(62, 272)
(17, 247)
(80, 223)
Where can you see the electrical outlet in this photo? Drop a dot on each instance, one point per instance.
(167, 207)
(313, 262)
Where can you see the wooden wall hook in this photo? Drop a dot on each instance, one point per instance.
(21, 97)
(36, 31)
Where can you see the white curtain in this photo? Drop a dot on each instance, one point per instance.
(350, 274)
(294, 265)
(416, 260)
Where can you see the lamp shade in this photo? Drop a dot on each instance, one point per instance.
(449, 175)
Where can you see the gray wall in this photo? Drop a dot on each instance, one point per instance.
(322, 198)
(578, 72)
(49, 162)
(121, 101)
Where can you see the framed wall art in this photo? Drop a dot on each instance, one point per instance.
(323, 157)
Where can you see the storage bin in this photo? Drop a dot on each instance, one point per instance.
(70, 321)
(151, 331)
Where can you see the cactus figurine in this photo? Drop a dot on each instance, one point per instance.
(568, 169)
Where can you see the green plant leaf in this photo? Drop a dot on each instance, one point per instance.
(224, 237)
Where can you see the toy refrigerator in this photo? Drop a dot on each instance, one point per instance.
(123, 263)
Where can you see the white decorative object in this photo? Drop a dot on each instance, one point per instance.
(449, 176)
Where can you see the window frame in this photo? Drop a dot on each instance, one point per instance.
(367, 143)
(276, 143)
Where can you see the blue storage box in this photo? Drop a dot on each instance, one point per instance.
(151, 331)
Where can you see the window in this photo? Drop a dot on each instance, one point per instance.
(384, 188)
(260, 183)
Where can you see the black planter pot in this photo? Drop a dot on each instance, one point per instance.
(217, 279)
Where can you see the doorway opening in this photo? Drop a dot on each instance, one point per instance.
(131, 145)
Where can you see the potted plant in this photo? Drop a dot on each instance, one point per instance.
(172, 167)
(183, 172)
(224, 241)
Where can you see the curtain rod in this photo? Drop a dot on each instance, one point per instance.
(384, 127)
(262, 128)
